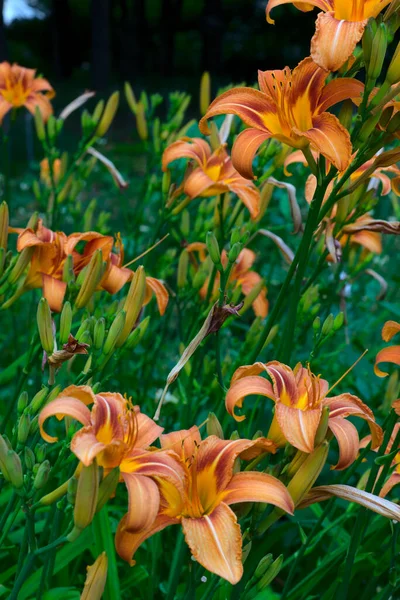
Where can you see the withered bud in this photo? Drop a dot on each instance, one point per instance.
(220, 314)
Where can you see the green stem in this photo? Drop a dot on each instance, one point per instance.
(177, 560)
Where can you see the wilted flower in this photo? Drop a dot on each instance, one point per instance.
(300, 397)
(214, 174)
(339, 27)
(19, 87)
(201, 503)
(291, 107)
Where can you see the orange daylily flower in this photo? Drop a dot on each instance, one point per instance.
(291, 107)
(390, 354)
(339, 27)
(19, 87)
(50, 250)
(240, 276)
(202, 504)
(300, 397)
(116, 434)
(214, 175)
(394, 477)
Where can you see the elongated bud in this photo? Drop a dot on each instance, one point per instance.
(22, 402)
(133, 303)
(114, 333)
(130, 97)
(42, 476)
(137, 334)
(39, 125)
(367, 40)
(213, 248)
(23, 261)
(183, 265)
(3, 458)
(45, 326)
(14, 469)
(98, 111)
(92, 279)
(393, 72)
(316, 324)
(378, 51)
(270, 574)
(338, 322)
(99, 333)
(38, 401)
(34, 425)
(40, 452)
(24, 426)
(291, 469)
(65, 322)
(199, 279)
(29, 458)
(108, 114)
(141, 123)
(95, 579)
(86, 499)
(368, 127)
(205, 92)
(328, 325)
(72, 490)
(322, 427)
(166, 182)
(346, 114)
(84, 326)
(51, 129)
(234, 252)
(214, 426)
(263, 566)
(107, 488)
(235, 236)
(4, 223)
(307, 474)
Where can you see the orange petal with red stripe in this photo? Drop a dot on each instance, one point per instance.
(244, 150)
(251, 486)
(334, 41)
(298, 426)
(66, 406)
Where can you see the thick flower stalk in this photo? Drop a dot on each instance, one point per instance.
(290, 106)
(339, 26)
(19, 86)
(214, 173)
(300, 397)
(201, 503)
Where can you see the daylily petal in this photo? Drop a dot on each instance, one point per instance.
(251, 486)
(160, 292)
(54, 292)
(144, 502)
(389, 330)
(183, 442)
(346, 492)
(163, 465)
(284, 382)
(308, 80)
(391, 354)
(84, 393)
(331, 139)
(194, 148)
(251, 105)
(215, 542)
(248, 370)
(148, 430)
(115, 278)
(346, 405)
(197, 183)
(334, 41)
(244, 150)
(127, 543)
(68, 406)
(348, 441)
(107, 417)
(338, 90)
(298, 426)
(248, 194)
(304, 5)
(245, 387)
(370, 240)
(393, 480)
(86, 446)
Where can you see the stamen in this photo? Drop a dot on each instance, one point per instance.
(347, 372)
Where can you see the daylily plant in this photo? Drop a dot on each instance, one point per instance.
(390, 354)
(214, 174)
(19, 86)
(201, 504)
(300, 397)
(50, 250)
(290, 106)
(339, 26)
(116, 434)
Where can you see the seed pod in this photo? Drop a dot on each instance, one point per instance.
(108, 114)
(65, 322)
(42, 476)
(45, 326)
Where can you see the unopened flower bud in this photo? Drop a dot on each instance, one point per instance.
(108, 114)
(199, 279)
(378, 51)
(14, 469)
(42, 476)
(65, 322)
(107, 488)
(96, 579)
(51, 128)
(29, 458)
(72, 489)
(39, 125)
(114, 333)
(213, 248)
(235, 236)
(368, 127)
(45, 326)
(327, 325)
(234, 435)
(393, 72)
(22, 402)
(141, 123)
(185, 223)
(270, 573)
(34, 425)
(99, 333)
(130, 97)
(183, 265)
(68, 269)
(385, 117)
(234, 252)
(338, 322)
(291, 469)
(137, 334)
(93, 275)
(98, 111)
(205, 92)
(249, 298)
(4, 223)
(322, 427)
(86, 499)
(40, 452)
(307, 474)
(38, 401)
(3, 456)
(166, 182)
(316, 324)
(24, 425)
(23, 261)
(367, 40)
(214, 426)
(133, 303)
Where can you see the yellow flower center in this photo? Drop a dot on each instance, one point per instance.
(15, 93)
(358, 10)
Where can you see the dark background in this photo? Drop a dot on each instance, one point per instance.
(158, 45)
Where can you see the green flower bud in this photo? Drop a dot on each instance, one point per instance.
(205, 92)
(24, 425)
(14, 469)
(93, 274)
(29, 458)
(367, 40)
(45, 326)
(378, 51)
(234, 252)
(71, 489)
(316, 324)
(185, 223)
(166, 182)
(183, 266)
(346, 114)
(39, 125)
(393, 72)
(214, 426)
(86, 499)
(34, 425)
(270, 574)
(137, 334)
(98, 111)
(65, 322)
(114, 333)
(22, 402)
(51, 129)
(4, 448)
(38, 401)
(235, 236)
(133, 304)
(322, 427)
(108, 114)
(213, 248)
(328, 325)
(68, 269)
(99, 333)
(40, 452)
(263, 565)
(199, 279)
(42, 476)
(338, 322)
